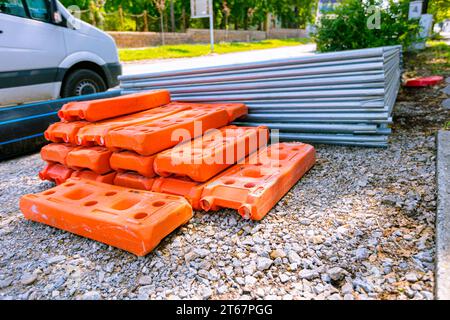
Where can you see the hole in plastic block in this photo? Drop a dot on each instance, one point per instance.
(205, 204)
(125, 204)
(158, 203)
(252, 173)
(49, 193)
(69, 184)
(90, 203)
(77, 194)
(140, 215)
(228, 182)
(111, 193)
(249, 185)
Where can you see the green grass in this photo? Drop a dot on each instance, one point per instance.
(196, 50)
(434, 60)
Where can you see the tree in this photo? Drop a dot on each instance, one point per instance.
(237, 14)
(348, 27)
(440, 9)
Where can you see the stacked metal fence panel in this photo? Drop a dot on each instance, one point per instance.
(343, 98)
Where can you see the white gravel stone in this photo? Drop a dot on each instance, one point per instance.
(336, 273)
(411, 277)
(28, 278)
(263, 263)
(308, 274)
(294, 257)
(91, 295)
(284, 278)
(361, 253)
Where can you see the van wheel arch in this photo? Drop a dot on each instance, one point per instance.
(87, 66)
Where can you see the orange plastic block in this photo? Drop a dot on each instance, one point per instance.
(256, 185)
(180, 186)
(156, 136)
(204, 157)
(55, 172)
(56, 152)
(133, 180)
(64, 131)
(234, 110)
(94, 158)
(91, 175)
(96, 110)
(135, 221)
(131, 161)
(95, 133)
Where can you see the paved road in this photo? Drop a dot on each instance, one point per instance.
(210, 60)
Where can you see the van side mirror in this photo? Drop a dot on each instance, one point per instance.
(54, 11)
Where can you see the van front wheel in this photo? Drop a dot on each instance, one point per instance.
(82, 82)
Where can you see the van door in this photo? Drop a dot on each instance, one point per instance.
(31, 49)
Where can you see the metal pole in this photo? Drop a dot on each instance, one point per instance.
(211, 24)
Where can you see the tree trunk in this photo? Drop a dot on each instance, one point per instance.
(172, 16)
(183, 20)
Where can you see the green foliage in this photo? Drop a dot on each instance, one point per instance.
(353, 26)
(440, 9)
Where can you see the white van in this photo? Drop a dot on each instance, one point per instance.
(45, 53)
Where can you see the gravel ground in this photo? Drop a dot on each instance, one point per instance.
(359, 225)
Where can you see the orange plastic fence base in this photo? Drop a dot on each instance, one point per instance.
(135, 221)
(91, 175)
(234, 110)
(96, 110)
(131, 161)
(95, 133)
(206, 156)
(64, 131)
(180, 186)
(133, 180)
(55, 172)
(256, 185)
(156, 136)
(94, 158)
(56, 152)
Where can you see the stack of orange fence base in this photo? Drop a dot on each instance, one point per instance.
(158, 183)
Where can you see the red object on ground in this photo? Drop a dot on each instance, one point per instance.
(96, 110)
(132, 220)
(55, 172)
(424, 81)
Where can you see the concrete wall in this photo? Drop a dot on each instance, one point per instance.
(147, 39)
